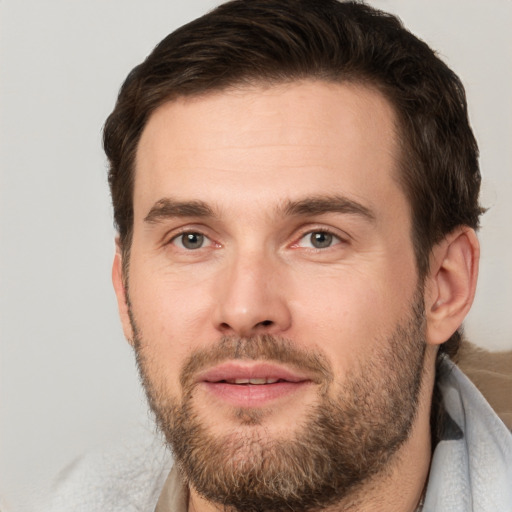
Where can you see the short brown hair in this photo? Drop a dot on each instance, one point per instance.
(274, 41)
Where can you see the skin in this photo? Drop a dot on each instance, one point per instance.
(247, 154)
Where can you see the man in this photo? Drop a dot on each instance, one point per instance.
(295, 185)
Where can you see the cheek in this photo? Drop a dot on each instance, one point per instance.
(169, 300)
(349, 315)
(345, 311)
(172, 314)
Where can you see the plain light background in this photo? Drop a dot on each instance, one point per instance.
(67, 378)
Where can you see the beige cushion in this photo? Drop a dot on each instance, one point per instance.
(491, 372)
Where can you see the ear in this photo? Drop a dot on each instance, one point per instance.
(120, 289)
(451, 283)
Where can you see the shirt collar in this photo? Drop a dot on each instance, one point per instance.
(174, 495)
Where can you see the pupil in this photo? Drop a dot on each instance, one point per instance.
(321, 240)
(192, 240)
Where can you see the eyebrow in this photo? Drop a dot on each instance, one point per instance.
(318, 205)
(168, 208)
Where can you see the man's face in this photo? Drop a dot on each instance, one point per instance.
(272, 281)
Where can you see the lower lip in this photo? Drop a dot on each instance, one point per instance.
(253, 395)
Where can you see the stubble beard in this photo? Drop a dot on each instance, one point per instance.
(349, 436)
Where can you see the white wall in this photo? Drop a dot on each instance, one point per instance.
(67, 379)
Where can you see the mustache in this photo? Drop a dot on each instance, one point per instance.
(265, 347)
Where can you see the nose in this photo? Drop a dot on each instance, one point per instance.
(251, 298)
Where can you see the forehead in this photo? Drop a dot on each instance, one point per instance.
(268, 143)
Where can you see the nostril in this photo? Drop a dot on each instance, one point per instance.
(265, 323)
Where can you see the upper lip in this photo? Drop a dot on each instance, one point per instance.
(231, 371)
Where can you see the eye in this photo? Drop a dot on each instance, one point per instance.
(191, 241)
(318, 240)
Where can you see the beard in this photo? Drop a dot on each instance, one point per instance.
(344, 440)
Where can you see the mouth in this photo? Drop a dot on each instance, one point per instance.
(252, 384)
(255, 381)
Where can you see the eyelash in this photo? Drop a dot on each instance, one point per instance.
(303, 235)
(307, 231)
(337, 239)
(190, 232)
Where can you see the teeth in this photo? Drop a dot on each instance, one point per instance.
(253, 381)
(257, 381)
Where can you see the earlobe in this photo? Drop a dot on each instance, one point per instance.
(120, 290)
(451, 283)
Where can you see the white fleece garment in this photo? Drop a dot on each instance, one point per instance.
(471, 468)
